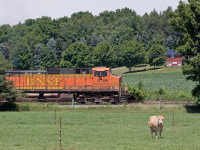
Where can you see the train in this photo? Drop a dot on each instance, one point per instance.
(83, 85)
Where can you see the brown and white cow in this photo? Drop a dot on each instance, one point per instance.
(156, 124)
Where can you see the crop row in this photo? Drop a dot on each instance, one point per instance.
(168, 81)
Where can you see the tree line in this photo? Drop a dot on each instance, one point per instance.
(112, 39)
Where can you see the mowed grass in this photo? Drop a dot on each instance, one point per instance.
(97, 128)
(145, 69)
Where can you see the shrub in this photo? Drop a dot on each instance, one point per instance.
(140, 85)
(136, 94)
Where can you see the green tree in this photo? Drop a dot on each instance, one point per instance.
(169, 42)
(36, 56)
(52, 45)
(186, 20)
(101, 39)
(82, 40)
(47, 59)
(105, 20)
(26, 57)
(134, 54)
(59, 50)
(156, 55)
(22, 57)
(2, 50)
(94, 40)
(104, 55)
(6, 86)
(157, 39)
(76, 56)
(121, 35)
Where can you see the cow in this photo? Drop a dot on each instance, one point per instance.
(156, 124)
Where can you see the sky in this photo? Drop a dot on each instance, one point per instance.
(14, 11)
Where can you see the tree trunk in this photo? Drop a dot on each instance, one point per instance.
(129, 69)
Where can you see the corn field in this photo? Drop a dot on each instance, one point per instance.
(168, 81)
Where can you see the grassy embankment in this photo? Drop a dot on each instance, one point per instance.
(94, 128)
(170, 79)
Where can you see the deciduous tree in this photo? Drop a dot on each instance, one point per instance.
(187, 21)
(134, 54)
(156, 55)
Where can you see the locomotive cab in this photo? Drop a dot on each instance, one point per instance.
(102, 76)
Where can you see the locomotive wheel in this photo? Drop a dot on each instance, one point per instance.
(83, 102)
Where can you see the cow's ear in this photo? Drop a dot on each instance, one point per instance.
(164, 117)
(157, 116)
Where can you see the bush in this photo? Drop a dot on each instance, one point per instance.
(136, 94)
(140, 85)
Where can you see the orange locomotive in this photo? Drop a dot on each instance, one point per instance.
(63, 84)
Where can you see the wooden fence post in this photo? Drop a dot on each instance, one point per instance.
(60, 131)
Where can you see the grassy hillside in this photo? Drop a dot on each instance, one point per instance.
(141, 70)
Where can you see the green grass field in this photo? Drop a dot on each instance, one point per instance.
(172, 81)
(96, 128)
(168, 78)
(141, 70)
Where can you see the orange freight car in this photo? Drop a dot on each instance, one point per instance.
(62, 84)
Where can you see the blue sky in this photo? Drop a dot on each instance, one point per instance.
(13, 11)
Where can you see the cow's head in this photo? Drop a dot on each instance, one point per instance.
(160, 119)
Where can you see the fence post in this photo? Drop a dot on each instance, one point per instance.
(72, 103)
(159, 103)
(173, 117)
(60, 131)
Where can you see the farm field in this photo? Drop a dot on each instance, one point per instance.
(94, 128)
(168, 78)
(172, 81)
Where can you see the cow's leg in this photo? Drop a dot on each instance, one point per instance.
(156, 133)
(160, 134)
(151, 134)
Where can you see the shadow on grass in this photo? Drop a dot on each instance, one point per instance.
(135, 71)
(154, 68)
(193, 108)
(9, 106)
(141, 66)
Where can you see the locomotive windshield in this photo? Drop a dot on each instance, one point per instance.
(100, 73)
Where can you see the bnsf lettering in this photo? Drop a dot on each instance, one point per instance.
(41, 81)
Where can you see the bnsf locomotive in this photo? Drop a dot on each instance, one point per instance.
(64, 84)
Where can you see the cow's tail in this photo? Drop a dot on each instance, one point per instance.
(149, 121)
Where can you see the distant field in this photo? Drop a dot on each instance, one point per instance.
(96, 129)
(168, 78)
(141, 70)
(174, 81)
